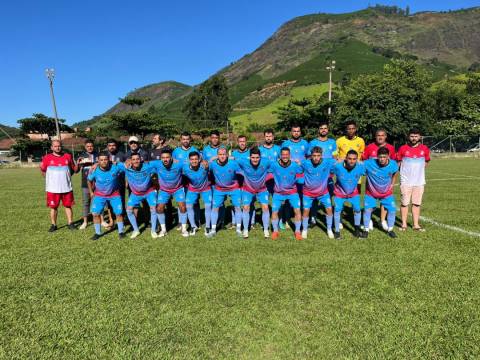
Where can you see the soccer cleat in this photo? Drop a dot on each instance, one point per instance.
(313, 221)
(207, 230)
(281, 225)
(364, 235)
(340, 226)
(95, 237)
(72, 226)
(275, 235)
(304, 234)
(266, 234)
(83, 226)
(153, 234)
(52, 228)
(370, 225)
(358, 232)
(211, 234)
(185, 233)
(384, 225)
(239, 232)
(162, 233)
(245, 234)
(122, 235)
(392, 234)
(298, 235)
(337, 236)
(330, 234)
(135, 233)
(193, 231)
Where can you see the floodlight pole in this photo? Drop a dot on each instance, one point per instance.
(50, 73)
(330, 69)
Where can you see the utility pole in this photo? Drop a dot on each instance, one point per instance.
(50, 73)
(330, 69)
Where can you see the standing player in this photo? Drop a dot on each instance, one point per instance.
(317, 172)
(348, 173)
(243, 153)
(268, 150)
(210, 151)
(115, 156)
(413, 158)
(371, 153)
(57, 168)
(350, 141)
(226, 184)
(85, 162)
(139, 176)
(198, 185)
(181, 153)
(169, 175)
(285, 173)
(255, 171)
(381, 173)
(103, 183)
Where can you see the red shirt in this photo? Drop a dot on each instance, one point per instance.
(371, 151)
(58, 171)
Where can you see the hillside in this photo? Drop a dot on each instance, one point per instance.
(12, 131)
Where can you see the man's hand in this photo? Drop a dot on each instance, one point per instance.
(205, 164)
(91, 194)
(128, 163)
(92, 169)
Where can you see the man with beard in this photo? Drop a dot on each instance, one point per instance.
(85, 161)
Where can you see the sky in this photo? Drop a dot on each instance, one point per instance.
(103, 49)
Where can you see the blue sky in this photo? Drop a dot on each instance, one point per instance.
(103, 49)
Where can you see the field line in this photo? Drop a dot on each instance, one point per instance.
(450, 227)
(444, 173)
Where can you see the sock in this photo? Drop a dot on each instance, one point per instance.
(234, 217)
(182, 217)
(208, 215)
(214, 218)
(336, 217)
(245, 218)
(98, 229)
(252, 214)
(329, 222)
(238, 217)
(390, 220)
(266, 219)
(367, 216)
(120, 227)
(305, 223)
(275, 224)
(153, 219)
(357, 218)
(161, 218)
(191, 216)
(298, 224)
(132, 219)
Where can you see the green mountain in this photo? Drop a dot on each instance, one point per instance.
(12, 131)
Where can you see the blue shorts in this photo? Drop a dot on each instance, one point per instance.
(388, 203)
(219, 197)
(164, 197)
(279, 199)
(192, 197)
(354, 201)
(99, 202)
(324, 200)
(136, 200)
(247, 197)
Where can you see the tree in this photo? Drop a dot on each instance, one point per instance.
(41, 124)
(141, 124)
(133, 101)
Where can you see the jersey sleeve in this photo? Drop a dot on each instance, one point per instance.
(44, 163)
(394, 166)
(299, 169)
(121, 167)
(91, 175)
(400, 153)
(427, 153)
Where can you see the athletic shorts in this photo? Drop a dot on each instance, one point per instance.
(279, 199)
(354, 201)
(387, 202)
(219, 197)
(136, 200)
(53, 199)
(247, 197)
(411, 193)
(164, 197)
(99, 202)
(192, 197)
(325, 200)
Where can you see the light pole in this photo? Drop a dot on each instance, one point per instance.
(330, 69)
(50, 73)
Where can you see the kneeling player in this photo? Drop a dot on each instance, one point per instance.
(103, 183)
(381, 173)
(317, 174)
(348, 173)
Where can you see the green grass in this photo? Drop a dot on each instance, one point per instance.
(64, 296)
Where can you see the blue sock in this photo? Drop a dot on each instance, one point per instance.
(191, 216)
(98, 229)
(336, 217)
(245, 218)
(182, 217)
(367, 216)
(208, 216)
(132, 219)
(265, 219)
(161, 218)
(391, 219)
(329, 222)
(120, 227)
(153, 219)
(214, 217)
(305, 223)
(238, 216)
(357, 217)
(275, 224)
(298, 224)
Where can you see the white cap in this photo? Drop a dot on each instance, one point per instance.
(132, 138)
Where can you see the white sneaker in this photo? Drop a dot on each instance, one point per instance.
(134, 234)
(211, 234)
(193, 232)
(370, 226)
(179, 227)
(162, 233)
(266, 234)
(304, 234)
(385, 225)
(340, 226)
(313, 221)
(185, 233)
(153, 234)
(245, 234)
(83, 226)
(105, 224)
(330, 234)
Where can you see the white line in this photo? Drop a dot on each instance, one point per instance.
(450, 227)
(444, 173)
(462, 178)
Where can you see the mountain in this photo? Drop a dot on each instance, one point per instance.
(12, 131)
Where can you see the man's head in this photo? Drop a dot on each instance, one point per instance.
(194, 158)
(323, 129)
(89, 147)
(185, 139)
(56, 147)
(166, 157)
(317, 153)
(296, 131)
(133, 143)
(414, 136)
(136, 160)
(255, 156)
(381, 137)
(112, 146)
(103, 160)
(242, 142)
(383, 156)
(222, 155)
(285, 155)
(214, 138)
(158, 140)
(268, 136)
(351, 159)
(351, 129)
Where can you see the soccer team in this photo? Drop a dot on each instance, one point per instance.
(298, 175)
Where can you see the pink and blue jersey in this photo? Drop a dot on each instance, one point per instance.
(270, 153)
(328, 146)
(225, 175)
(237, 154)
(379, 178)
(106, 181)
(169, 178)
(210, 152)
(347, 180)
(198, 180)
(139, 181)
(298, 149)
(316, 177)
(254, 178)
(285, 178)
(182, 154)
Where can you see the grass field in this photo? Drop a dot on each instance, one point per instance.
(64, 296)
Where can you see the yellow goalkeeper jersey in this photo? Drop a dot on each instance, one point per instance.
(344, 145)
